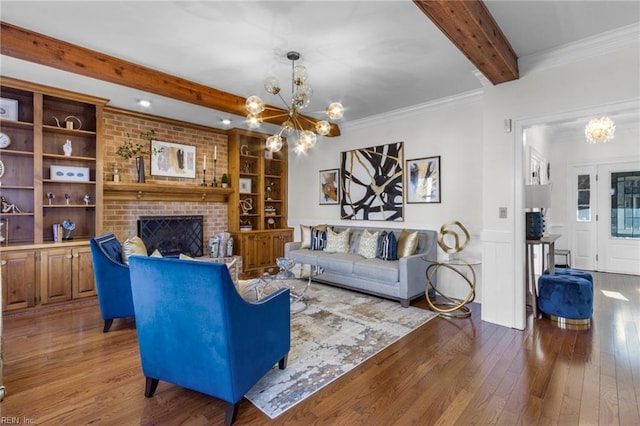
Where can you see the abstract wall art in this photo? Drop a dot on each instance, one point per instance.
(372, 183)
(423, 180)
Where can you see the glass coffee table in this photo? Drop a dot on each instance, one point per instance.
(297, 279)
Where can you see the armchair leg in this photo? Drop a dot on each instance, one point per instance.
(150, 387)
(107, 325)
(282, 364)
(231, 413)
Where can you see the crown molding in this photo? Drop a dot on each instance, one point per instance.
(600, 44)
(466, 98)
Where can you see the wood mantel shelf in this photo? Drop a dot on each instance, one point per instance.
(128, 191)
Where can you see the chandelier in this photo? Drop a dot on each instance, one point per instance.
(300, 97)
(600, 130)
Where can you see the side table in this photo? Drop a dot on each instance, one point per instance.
(454, 308)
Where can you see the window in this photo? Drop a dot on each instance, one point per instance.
(584, 198)
(625, 205)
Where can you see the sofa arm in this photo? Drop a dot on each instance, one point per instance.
(413, 278)
(289, 247)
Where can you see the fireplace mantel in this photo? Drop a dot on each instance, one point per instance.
(120, 191)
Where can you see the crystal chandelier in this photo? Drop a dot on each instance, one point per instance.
(600, 130)
(300, 97)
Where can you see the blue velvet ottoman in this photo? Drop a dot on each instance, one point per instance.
(567, 299)
(573, 272)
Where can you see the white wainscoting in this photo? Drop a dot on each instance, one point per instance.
(503, 291)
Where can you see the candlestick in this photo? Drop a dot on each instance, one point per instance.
(204, 181)
(214, 182)
(204, 163)
(215, 152)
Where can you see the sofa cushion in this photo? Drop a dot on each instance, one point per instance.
(368, 244)
(318, 239)
(407, 243)
(133, 246)
(387, 246)
(377, 269)
(341, 263)
(305, 234)
(337, 242)
(305, 256)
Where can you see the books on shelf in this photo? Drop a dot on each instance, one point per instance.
(57, 232)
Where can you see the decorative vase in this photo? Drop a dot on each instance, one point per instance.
(140, 168)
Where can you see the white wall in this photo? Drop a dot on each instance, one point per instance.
(482, 166)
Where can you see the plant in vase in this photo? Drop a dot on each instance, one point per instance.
(130, 149)
(224, 180)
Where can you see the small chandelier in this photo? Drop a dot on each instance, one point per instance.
(300, 97)
(600, 130)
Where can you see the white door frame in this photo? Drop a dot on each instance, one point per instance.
(519, 295)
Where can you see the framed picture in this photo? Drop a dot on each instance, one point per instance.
(9, 109)
(329, 186)
(423, 180)
(372, 183)
(173, 159)
(245, 186)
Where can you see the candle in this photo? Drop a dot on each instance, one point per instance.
(204, 163)
(215, 152)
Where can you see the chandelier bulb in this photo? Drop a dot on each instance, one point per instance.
(323, 128)
(272, 85)
(335, 111)
(600, 129)
(299, 75)
(253, 121)
(274, 143)
(254, 105)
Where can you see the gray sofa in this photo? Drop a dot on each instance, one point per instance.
(401, 280)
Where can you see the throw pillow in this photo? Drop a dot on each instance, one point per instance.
(368, 244)
(338, 242)
(318, 239)
(133, 246)
(185, 257)
(407, 243)
(387, 246)
(156, 253)
(305, 234)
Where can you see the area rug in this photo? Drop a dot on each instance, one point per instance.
(339, 330)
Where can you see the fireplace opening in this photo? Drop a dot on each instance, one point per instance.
(172, 235)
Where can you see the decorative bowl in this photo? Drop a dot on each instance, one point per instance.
(285, 263)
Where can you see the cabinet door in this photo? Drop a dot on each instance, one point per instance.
(18, 271)
(83, 278)
(56, 275)
(257, 251)
(278, 241)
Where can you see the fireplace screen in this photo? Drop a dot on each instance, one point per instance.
(172, 235)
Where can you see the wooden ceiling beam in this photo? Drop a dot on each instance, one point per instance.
(44, 50)
(470, 26)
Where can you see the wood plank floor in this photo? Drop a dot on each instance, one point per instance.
(60, 369)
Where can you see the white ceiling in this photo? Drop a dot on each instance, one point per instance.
(373, 56)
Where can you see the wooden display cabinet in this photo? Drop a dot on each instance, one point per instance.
(38, 139)
(259, 178)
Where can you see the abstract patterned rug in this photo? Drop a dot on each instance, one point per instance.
(338, 331)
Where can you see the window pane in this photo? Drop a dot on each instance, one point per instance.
(625, 205)
(584, 198)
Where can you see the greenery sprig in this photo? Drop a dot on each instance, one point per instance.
(130, 149)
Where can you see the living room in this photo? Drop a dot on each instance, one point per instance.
(482, 164)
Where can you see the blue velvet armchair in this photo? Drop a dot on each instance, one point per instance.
(113, 283)
(196, 331)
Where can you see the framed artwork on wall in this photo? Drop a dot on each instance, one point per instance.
(423, 180)
(372, 183)
(329, 187)
(173, 159)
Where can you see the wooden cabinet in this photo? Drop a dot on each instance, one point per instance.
(258, 205)
(18, 271)
(260, 249)
(52, 174)
(65, 274)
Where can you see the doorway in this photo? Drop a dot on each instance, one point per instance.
(605, 217)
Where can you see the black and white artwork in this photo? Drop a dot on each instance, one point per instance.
(372, 183)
